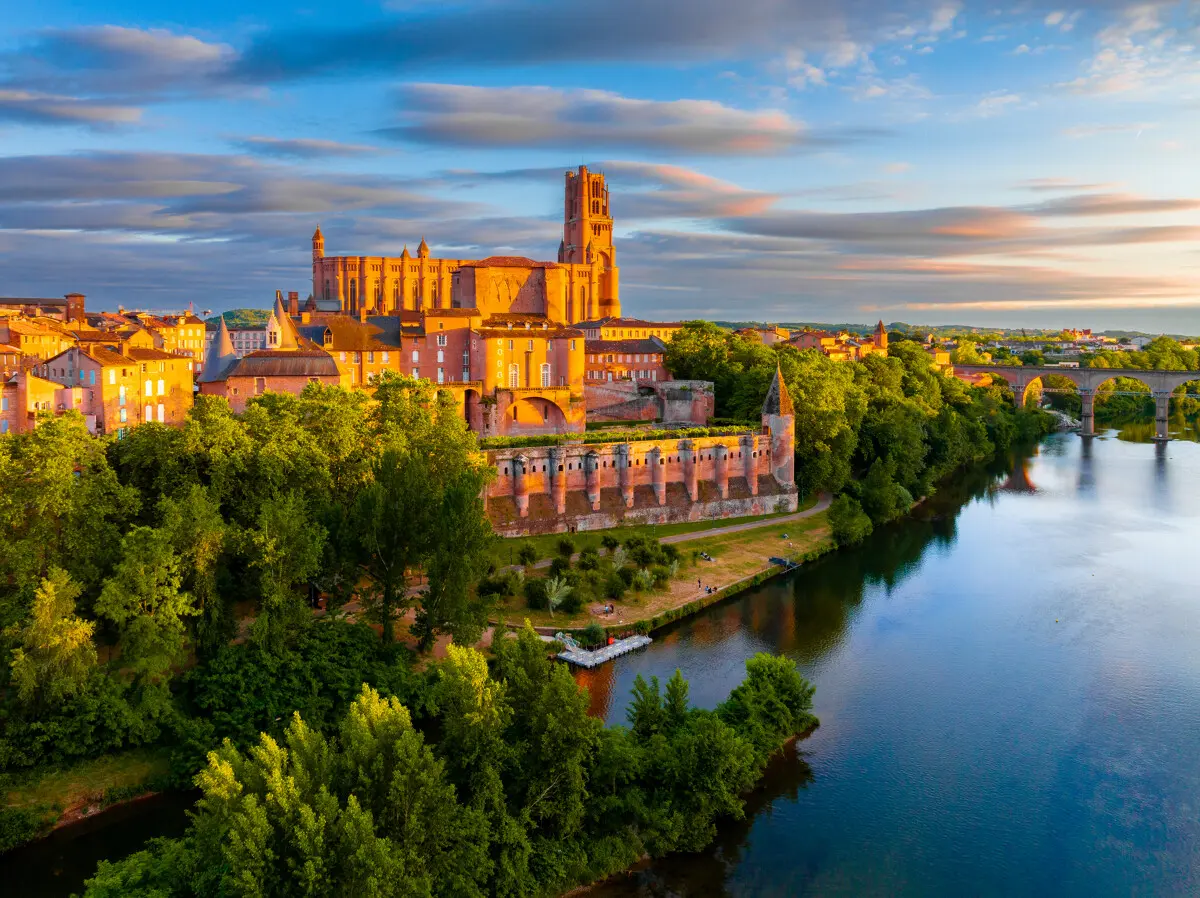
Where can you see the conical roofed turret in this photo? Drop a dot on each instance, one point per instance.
(779, 401)
(220, 357)
(288, 338)
(423, 250)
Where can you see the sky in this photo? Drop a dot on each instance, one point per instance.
(1027, 164)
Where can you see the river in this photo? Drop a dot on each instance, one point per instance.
(1008, 690)
(1008, 687)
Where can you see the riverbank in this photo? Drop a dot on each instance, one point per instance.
(38, 802)
(740, 561)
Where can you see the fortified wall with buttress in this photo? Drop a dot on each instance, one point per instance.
(549, 489)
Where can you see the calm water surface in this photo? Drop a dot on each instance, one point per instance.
(1009, 694)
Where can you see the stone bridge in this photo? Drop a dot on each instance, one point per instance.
(1161, 383)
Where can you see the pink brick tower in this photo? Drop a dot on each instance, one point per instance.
(779, 422)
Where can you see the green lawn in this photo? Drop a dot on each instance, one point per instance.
(62, 787)
(547, 546)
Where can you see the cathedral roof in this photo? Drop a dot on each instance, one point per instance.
(778, 402)
(508, 262)
(648, 345)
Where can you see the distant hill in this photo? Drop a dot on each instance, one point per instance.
(240, 318)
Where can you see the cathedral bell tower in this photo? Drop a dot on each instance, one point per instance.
(588, 240)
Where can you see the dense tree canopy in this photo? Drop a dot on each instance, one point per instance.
(883, 431)
(123, 562)
(479, 782)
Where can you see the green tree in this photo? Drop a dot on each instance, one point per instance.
(457, 550)
(55, 654)
(849, 523)
(198, 534)
(287, 547)
(143, 599)
(557, 591)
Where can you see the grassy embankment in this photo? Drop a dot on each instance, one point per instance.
(38, 800)
(739, 560)
(547, 545)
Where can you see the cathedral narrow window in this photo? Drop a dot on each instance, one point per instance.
(514, 378)
(545, 375)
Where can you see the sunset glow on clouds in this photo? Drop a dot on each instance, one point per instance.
(769, 159)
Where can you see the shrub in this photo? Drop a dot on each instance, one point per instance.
(18, 826)
(573, 603)
(615, 586)
(660, 576)
(503, 584)
(566, 547)
(527, 554)
(592, 634)
(642, 627)
(535, 595)
(559, 566)
(589, 559)
(609, 542)
(848, 521)
(627, 573)
(670, 553)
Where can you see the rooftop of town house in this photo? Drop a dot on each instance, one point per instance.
(641, 345)
(625, 322)
(153, 355)
(285, 363)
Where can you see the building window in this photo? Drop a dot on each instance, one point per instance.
(545, 375)
(514, 377)
(353, 290)
(260, 385)
(121, 396)
(161, 387)
(510, 345)
(123, 415)
(3, 404)
(343, 356)
(148, 389)
(112, 376)
(441, 375)
(3, 427)
(356, 358)
(415, 373)
(370, 358)
(416, 296)
(466, 375)
(466, 357)
(441, 355)
(386, 357)
(148, 413)
(572, 346)
(529, 345)
(416, 356)
(441, 339)
(162, 414)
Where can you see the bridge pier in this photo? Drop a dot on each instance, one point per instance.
(1088, 416)
(1162, 407)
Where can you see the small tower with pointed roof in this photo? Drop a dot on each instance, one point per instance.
(779, 426)
(318, 245)
(881, 335)
(423, 250)
(220, 358)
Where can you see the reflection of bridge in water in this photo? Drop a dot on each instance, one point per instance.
(1088, 380)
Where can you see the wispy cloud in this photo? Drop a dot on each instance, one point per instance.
(303, 147)
(463, 115)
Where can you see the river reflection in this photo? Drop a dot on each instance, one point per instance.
(1007, 686)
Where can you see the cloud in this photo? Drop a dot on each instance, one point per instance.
(1076, 132)
(543, 117)
(995, 104)
(1112, 204)
(897, 168)
(27, 107)
(1060, 184)
(109, 60)
(303, 148)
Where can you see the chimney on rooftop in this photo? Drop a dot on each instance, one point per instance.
(293, 305)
